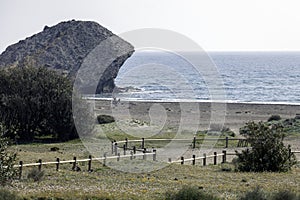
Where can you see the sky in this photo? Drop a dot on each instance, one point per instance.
(216, 25)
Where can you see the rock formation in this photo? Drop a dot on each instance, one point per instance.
(64, 47)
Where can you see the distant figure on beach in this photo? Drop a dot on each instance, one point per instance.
(116, 101)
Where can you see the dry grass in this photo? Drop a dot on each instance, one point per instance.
(106, 182)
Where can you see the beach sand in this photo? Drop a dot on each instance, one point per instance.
(198, 114)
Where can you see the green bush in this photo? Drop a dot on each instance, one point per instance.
(35, 102)
(7, 160)
(256, 194)
(268, 152)
(274, 118)
(7, 195)
(285, 195)
(35, 174)
(105, 119)
(189, 193)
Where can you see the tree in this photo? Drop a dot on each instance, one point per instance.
(268, 151)
(36, 101)
(7, 159)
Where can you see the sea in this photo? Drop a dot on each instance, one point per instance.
(263, 77)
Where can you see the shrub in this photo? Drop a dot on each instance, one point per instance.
(7, 160)
(274, 118)
(105, 119)
(256, 194)
(227, 167)
(36, 102)
(7, 195)
(268, 152)
(35, 174)
(189, 193)
(286, 195)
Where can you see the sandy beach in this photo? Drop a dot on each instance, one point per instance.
(199, 114)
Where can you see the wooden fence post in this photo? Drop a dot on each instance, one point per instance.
(194, 142)
(170, 160)
(154, 154)
(226, 144)
(224, 157)
(40, 165)
(126, 142)
(104, 160)
(144, 156)
(134, 150)
(116, 149)
(290, 150)
(204, 159)
(74, 164)
(118, 158)
(143, 143)
(215, 158)
(124, 149)
(20, 169)
(131, 155)
(194, 160)
(90, 164)
(182, 160)
(57, 164)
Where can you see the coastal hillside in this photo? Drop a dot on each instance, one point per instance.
(64, 47)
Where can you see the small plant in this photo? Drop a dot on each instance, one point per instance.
(274, 118)
(54, 149)
(256, 194)
(36, 175)
(105, 119)
(286, 195)
(190, 193)
(227, 167)
(7, 195)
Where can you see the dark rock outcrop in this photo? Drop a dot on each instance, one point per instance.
(64, 47)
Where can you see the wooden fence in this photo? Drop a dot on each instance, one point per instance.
(242, 142)
(133, 154)
(75, 161)
(204, 158)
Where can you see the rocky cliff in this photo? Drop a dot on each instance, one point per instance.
(64, 47)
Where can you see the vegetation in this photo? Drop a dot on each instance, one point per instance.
(7, 160)
(105, 119)
(286, 195)
(7, 195)
(274, 118)
(36, 102)
(259, 194)
(104, 182)
(35, 174)
(268, 152)
(256, 194)
(190, 193)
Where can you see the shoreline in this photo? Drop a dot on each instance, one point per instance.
(194, 101)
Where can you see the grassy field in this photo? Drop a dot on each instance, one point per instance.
(108, 183)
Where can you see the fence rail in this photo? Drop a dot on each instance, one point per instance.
(75, 161)
(204, 158)
(242, 142)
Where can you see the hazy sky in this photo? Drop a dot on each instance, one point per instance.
(213, 24)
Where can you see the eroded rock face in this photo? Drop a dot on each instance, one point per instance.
(64, 47)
